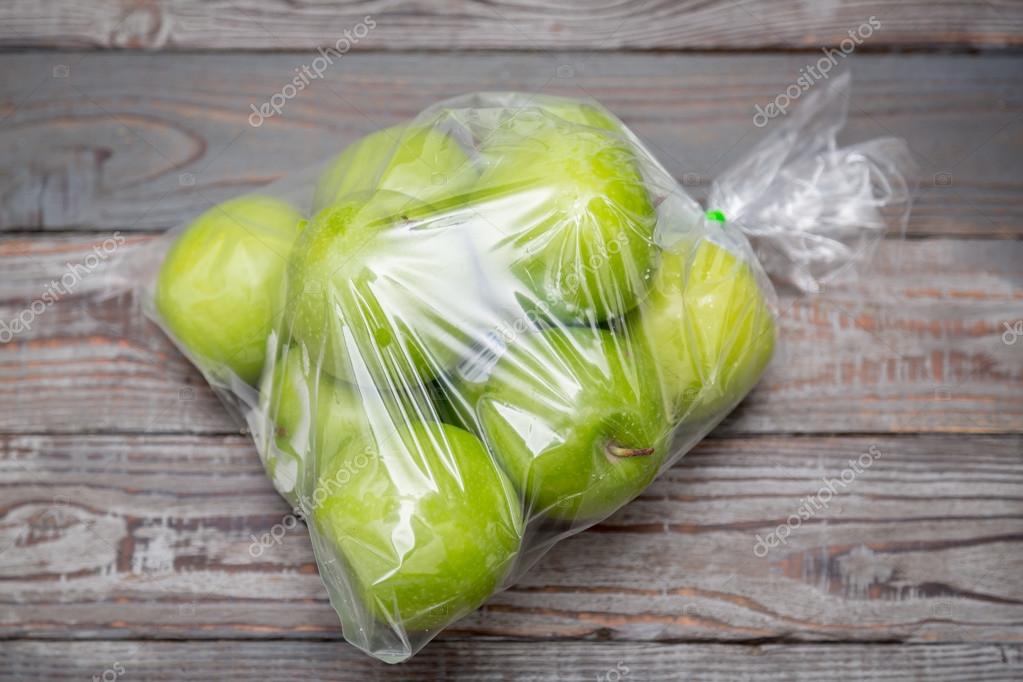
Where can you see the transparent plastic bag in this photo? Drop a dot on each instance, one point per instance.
(471, 335)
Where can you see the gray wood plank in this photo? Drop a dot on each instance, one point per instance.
(460, 24)
(494, 661)
(141, 142)
(917, 345)
(109, 537)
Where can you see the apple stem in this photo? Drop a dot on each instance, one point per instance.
(617, 450)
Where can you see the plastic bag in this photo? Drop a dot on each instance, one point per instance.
(471, 335)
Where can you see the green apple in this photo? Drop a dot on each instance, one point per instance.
(420, 162)
(219, 288)
(316, 420)
(356, 168)
(381, 291)
(311, 417)
(427, 524)
(574, 216)
(576, 418)
(710, 326)
(577, 112)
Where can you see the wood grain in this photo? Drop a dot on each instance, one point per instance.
(490, 661)
(460, 24)
(917, 345)
(129, 503)
(169, 135)
(160, 537)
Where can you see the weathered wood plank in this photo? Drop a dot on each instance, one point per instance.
(153, 536)
(170, 134)
(916, 346)
(495, 661)
(636, 25)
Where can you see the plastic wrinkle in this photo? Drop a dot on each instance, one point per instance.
(815, 212)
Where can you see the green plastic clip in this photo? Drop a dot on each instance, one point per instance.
(716, 216)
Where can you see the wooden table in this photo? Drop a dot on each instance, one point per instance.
(129, 499)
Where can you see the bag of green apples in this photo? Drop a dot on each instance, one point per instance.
(476, 333)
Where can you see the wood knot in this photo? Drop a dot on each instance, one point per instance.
(142, 25)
